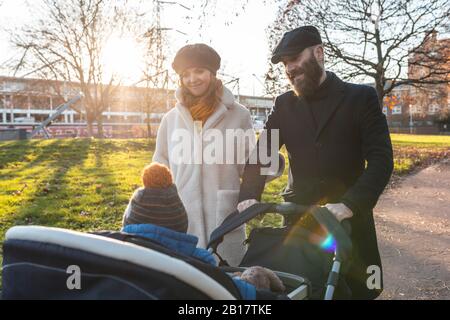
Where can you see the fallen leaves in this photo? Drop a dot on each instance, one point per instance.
(409, 158)
(19, 192)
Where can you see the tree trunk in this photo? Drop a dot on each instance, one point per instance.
(100, 134)
(149, 130)
(380, 94)
(89, 122)
(379, 86)
(149, 127)
(90, 130)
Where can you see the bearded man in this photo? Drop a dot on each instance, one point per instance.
(339, 149)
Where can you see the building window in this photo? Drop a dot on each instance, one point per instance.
(77, 118)
(433, 108)
(414, 109)
(40, 102)
(8, 102)
(20, 102)
(397, 109)
(13, 86)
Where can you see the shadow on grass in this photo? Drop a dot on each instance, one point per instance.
(16, 151)
(57, 150)
(103, 212)
(58, 161)
(21, 151)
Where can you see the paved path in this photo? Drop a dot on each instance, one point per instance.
(413, 227)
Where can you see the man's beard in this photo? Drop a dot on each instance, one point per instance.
(312, 72)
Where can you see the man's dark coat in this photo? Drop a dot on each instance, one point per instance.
(346, 157)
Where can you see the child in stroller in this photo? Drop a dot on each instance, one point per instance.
(156, 212)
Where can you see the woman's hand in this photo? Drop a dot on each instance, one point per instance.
(245, 204)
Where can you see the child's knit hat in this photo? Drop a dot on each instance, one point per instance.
(157, 202)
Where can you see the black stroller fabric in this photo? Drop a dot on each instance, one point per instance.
(213, 272)
(36, 270)
(285, 250)
(289, 249)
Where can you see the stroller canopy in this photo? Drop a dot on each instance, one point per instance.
(38, 260)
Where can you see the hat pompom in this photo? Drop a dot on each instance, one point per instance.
(156, 175)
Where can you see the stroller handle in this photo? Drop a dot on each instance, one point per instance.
(289, 208)
(340, 231)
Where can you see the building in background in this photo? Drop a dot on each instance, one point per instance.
(423, 109)
(259, 108)
(25, 103)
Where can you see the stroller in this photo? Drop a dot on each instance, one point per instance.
(52, 263)
(318, 255)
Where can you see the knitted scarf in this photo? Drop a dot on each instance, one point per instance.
(201, 108)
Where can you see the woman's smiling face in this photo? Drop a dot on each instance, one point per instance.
(196, 80)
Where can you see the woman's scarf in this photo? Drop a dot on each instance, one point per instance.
(201, 108)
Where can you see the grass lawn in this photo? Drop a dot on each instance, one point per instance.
(85, 184)
(420, 140)
(412, 151)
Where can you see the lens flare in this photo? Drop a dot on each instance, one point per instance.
(329, 244)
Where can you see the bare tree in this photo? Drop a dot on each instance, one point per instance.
(375, 40)
(155, 74)
(67, 44)
(208, 9)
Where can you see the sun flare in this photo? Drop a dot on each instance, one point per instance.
(122, 58)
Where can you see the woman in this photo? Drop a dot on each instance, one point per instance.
(205, 110)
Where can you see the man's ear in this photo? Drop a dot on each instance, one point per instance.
(319, 54)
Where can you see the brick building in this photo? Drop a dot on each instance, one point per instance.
(423, 109)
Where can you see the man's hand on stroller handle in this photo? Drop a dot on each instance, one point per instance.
(339, 210)
(245, 204)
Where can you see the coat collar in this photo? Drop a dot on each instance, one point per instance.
(332, 100)
(227, 102)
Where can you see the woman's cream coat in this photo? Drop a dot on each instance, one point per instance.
(208, 190)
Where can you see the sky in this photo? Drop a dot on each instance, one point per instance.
(238, 36)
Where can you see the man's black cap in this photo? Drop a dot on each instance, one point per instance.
(295, 41)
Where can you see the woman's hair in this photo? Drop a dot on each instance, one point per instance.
(203, 106)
